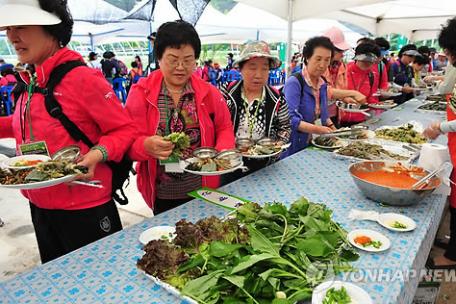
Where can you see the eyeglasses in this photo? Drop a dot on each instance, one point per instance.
(174, 63)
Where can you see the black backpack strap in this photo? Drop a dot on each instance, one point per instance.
(371, 79)
(53, 107)
(301, 81)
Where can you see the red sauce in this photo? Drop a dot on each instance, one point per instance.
(394, 179)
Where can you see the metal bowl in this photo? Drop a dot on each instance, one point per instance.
(205, 152)
(244, 144)
(233, 156)
(388, 195)
(69, 153)
(266, 142)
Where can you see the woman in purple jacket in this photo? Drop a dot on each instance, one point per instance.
(307, 94)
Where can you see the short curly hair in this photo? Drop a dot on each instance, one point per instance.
(62, 31)
(174, 34)
(313, 43)
(447, 36)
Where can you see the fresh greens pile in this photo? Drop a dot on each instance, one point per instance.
(267, 254)
(339, 296)
(181, 142)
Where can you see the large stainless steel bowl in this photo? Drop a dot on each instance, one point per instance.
(388, 195)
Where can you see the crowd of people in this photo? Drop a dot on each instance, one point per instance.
(177, 98)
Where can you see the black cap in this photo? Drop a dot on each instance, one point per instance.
(93, 54)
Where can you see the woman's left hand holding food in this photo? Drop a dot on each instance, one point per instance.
(90, 161)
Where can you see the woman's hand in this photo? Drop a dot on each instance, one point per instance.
(433, 131)
(358, 97)
(90, 161)
(321, 130)
(407, 89)
(158, 148)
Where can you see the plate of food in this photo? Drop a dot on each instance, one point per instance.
(396, 222)
(408, 133)
(157, 233)
(360, 132)
(383, 105)
(45, 174)
(362, 150)
(335, 292)
(24, 161)
(353, 107)
(221, 163)
(369, 240)
(391, 92)
(327, 143)
(434, 106)
(263, 148)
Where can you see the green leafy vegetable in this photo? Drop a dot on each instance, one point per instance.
(399, 225)
(181, 142)
(265, 254)
(339, 296)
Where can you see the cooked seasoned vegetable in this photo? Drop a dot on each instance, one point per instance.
(403, 134)
(434, 106)
(339, 296)
(399, 225)
(181, 142)
(263, 255)
(368, 151)
(327, 141)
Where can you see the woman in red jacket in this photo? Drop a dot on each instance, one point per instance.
(65, 217)
(361, 77)
(174, 99)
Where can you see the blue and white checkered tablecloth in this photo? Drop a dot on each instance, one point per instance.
(105, 271)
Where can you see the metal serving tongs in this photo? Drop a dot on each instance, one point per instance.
(425, 180)
(355, 130)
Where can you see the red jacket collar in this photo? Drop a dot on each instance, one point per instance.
(152, 90)
(44, 71)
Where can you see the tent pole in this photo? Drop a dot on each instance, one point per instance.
(290, 32)
(92, 44)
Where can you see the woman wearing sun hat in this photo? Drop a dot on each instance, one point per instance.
(257, 109)
(65, 217)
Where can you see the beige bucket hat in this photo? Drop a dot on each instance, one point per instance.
(255, 49)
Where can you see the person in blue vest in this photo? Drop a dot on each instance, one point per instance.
(307, 95)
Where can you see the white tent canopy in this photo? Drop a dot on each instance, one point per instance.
(415, 19)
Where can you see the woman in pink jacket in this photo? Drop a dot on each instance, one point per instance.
(65, 217)
(174, 99)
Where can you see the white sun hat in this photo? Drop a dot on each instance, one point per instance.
(25, 12)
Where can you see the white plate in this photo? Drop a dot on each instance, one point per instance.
(184, 164)
(157, 233)
(388, 219)
(43, 184)
(9, 163)
(387, 94)
(356, 293)
(340, 145)
(262, 155)
(374, 235)
(382, 106)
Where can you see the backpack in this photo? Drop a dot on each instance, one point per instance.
(120, 170)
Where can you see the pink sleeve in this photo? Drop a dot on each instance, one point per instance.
(116, 126)
(3, 81)
(137, 108)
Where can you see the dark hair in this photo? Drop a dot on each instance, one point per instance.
(313, 43)
(139, 58)
(392, 54)
(92, 56)
(424, 50)
(382, 43)
(367, 48)
(406, 48)
(365, 40)
(421, 59)
(447, 37)
(174, 34)
(134, 64)
(62, 31)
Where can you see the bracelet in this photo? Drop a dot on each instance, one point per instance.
(103, 151)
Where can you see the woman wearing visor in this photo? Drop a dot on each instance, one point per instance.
(66, 216)
(362, 78)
